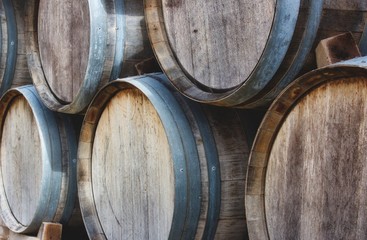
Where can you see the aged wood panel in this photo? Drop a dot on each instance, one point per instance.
(13, 62)
(63, 39)
(20, 127)
(38, 163)
(197, 32)
(143, 199)
(242, 54)
(154, 165)
(307, 173)
(75, 47)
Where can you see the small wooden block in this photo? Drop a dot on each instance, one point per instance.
(336, 49)
(50, 231)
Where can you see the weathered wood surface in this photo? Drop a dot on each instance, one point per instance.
(38, 163)
(13, 62)
(307, 170)
(75, 47)
(20, 129)
(63, 39)
(213, 41)
(242, 54)
(153, 166)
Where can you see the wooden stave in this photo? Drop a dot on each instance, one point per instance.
(257, 91)
(271, 124)
(102, 67)
(57, 202)
(192, 112)
(13, 69)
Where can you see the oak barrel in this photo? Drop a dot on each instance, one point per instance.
(13, 61)
(38, 163)
(243, 53)
(75, 47)
(152, 165)
(307, 174)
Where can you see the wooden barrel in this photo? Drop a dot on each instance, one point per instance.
(76, 47)
(152, 165)
(38, 163)
(243, 53)
(307, 174)
(13, 61)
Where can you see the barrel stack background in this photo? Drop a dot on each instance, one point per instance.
(182, 119)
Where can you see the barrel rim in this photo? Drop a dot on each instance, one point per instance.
(183, 147)
(271, 124)
(284, 23)
(51, 155)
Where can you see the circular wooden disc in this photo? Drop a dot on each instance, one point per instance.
(63, 38)
(219, 43)
(317, 173)
(132, 170)
(21, 161)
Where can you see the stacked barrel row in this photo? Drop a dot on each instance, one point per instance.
(87, 142)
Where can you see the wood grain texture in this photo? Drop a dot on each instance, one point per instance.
(38, 167)
(13, 62)
(306, 175)
(22, 188)
(263, 54)
(134, 172)
(63, 39)
(76, 47)
(140, 206)
(198, 35)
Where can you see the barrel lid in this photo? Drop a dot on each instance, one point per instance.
(221, 53)
(218, 43)
(31, 169)
(136, 139)
(306, 174)
(64, 42)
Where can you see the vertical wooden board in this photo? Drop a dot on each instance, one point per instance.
(136, 43)
(63, 39)
(233, 152)
(132, 170)
(198, 34)
(316, 175)
(21, 160)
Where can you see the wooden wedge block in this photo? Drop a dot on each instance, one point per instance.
(336, 49)
(50, 231)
